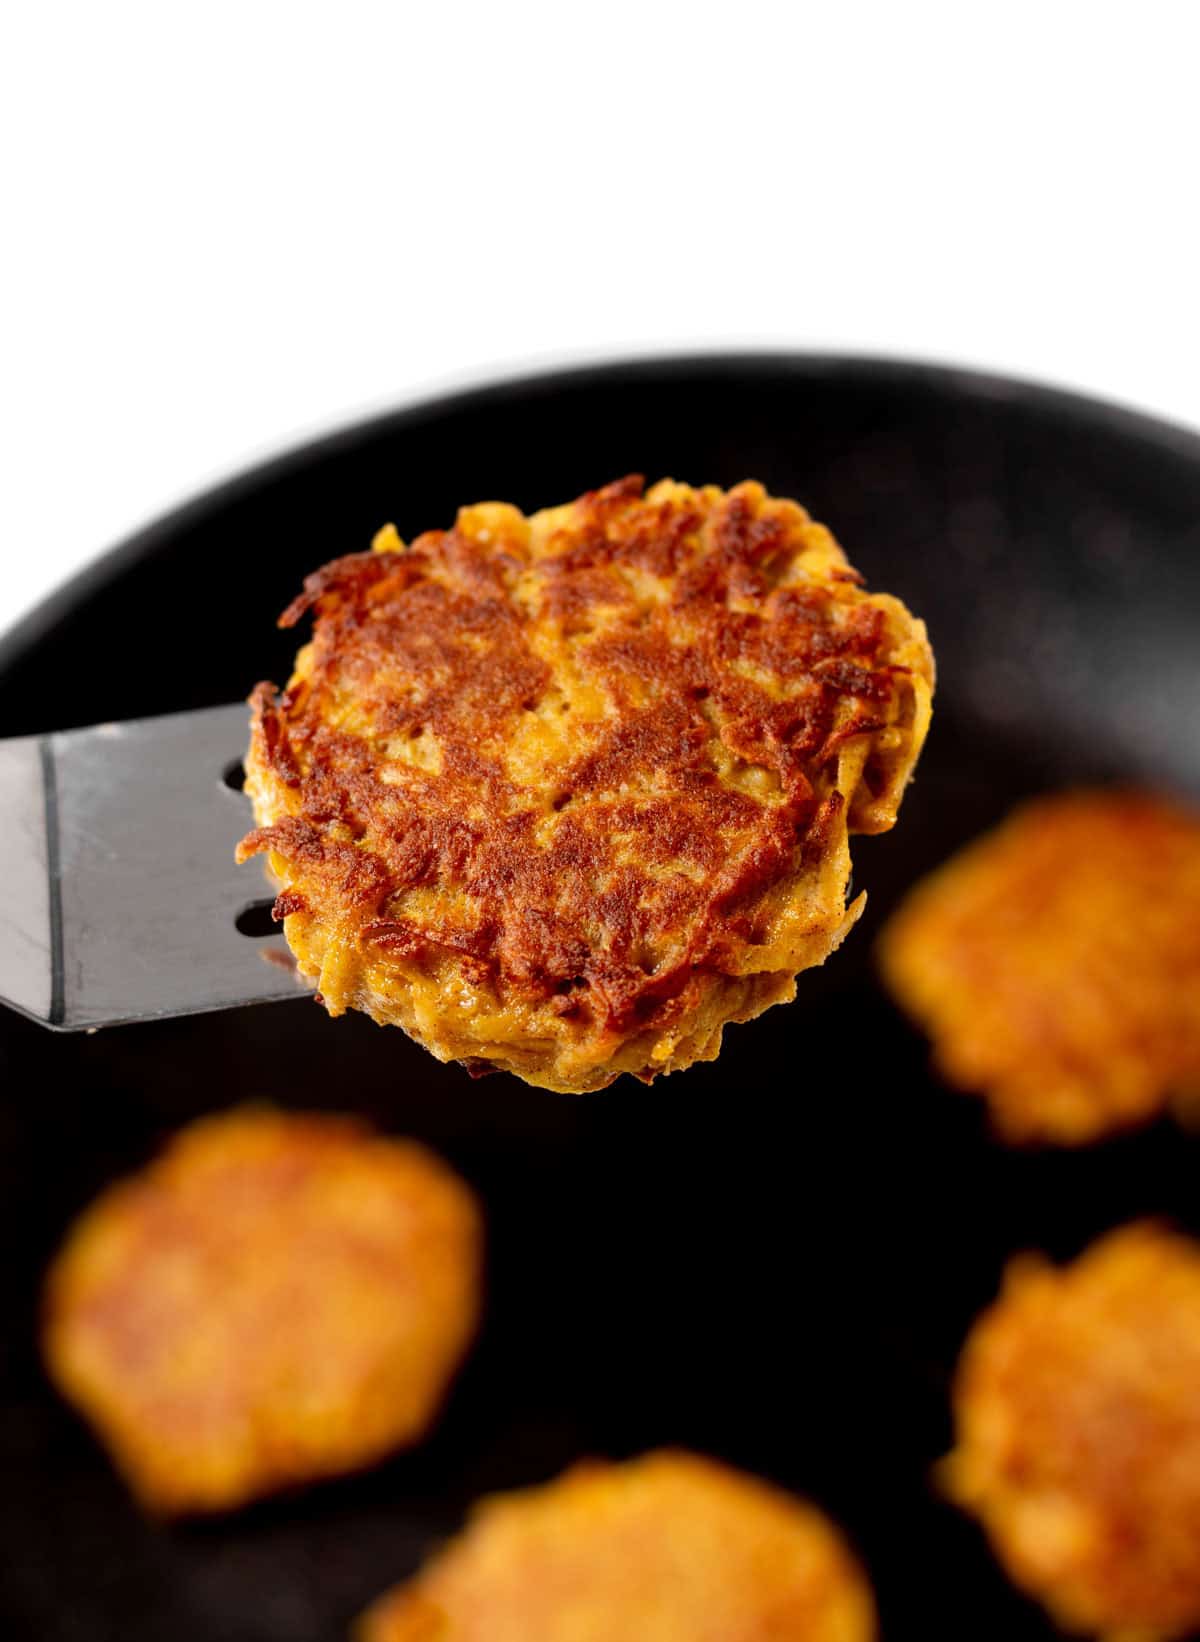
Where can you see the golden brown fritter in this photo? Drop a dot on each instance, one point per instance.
(565, 794)
(277, 1298)
(1055, 963)
(666, 1548)
(1077, 1406)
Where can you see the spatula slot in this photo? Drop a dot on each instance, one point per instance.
(255, 920)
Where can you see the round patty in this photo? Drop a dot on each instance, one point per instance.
(1055, 963)
(1078, 1427)
(666, 1548)
(565, 794)
(275, 1299)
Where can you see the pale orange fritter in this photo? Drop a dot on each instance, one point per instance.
(666, 1548)
(1055, 963)
(1077, 1404)
(277, 1298)
(566, 794)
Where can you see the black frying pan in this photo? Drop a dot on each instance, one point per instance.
(773, 1258)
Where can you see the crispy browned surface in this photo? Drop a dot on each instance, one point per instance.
(276, 1298)
(667, 1548)
(565, 794)
(1078, 1417)
(1056, 964)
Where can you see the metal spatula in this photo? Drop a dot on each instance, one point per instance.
(119, 897)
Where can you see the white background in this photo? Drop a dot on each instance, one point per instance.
(230, 225)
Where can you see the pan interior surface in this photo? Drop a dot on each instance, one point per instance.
(773, 1258)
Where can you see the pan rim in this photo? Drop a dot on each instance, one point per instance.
(493, 386)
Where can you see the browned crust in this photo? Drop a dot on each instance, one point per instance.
(736, 704)
(666, 1546)
(1055, 962)
(1078, 1431)
(276, 1298)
